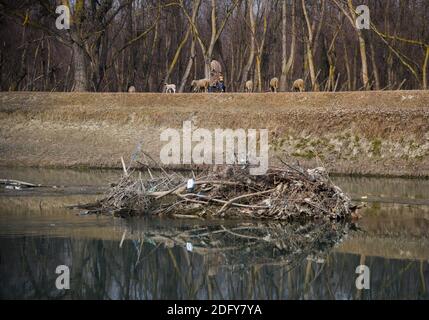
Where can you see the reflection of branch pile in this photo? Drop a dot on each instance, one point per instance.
(281, 194)
(251, 243)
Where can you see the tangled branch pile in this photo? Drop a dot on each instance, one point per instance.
(285, 193)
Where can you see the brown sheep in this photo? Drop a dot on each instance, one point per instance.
(248, 86)
(132, 89)
(298, 85)
(198, 85)
(274, 84)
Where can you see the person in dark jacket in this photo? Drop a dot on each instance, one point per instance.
(221, 84)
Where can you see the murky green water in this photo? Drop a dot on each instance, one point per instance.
(174, 259)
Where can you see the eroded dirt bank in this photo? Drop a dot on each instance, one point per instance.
(384, 133)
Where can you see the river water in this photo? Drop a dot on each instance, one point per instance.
(146, 258)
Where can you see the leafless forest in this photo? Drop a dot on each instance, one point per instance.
(114, 44)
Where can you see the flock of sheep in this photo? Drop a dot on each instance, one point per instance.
(298, 85)
(202, 85)
(216, 77)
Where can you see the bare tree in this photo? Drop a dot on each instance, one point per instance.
(287, 62)
(195, 10)
(216, 31)
(350, 13)
(310, 40)
(251, 58)
(260, 44)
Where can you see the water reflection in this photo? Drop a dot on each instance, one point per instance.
(102, 270)
(241, 245)
(385, 190)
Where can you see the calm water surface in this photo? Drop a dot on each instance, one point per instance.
(174, 259)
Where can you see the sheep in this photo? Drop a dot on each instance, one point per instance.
(298, 85)
(274, 84)
(197, 85)
(170, 88)
(132, 89)
(248, 86)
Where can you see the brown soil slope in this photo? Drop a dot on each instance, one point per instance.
(352, 132)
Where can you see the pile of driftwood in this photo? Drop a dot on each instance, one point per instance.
(283, 193)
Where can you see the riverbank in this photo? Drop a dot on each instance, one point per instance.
(365, 133)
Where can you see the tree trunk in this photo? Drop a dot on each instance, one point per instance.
(80, 77)
(176, 56)
(283, 78)
(1, 65)
(131, 64)
(22, 68)
(311, 67)
(309, 49)
(362, 48)
(355, 76)
(260, 46)
(188, 67)
(374, 67)
(291, 60)
(425, 70)
(347, 65)
(151, 56)
(232, 68)
(249, 63)
(191, 61)
(331, 61)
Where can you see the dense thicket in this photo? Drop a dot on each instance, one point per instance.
(113, 44)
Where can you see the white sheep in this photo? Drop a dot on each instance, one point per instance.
(248, 86)
(132, 89)
(170, 88)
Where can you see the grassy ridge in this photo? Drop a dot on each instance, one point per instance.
(349, 132)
